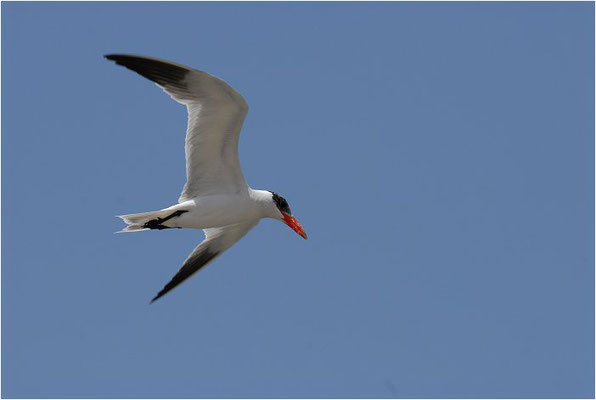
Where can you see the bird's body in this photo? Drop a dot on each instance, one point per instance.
(215, 198)
(220, 210)
(211, 211)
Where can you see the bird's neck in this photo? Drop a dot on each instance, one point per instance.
(264, 201)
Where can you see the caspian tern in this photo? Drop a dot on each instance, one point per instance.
(215, 198)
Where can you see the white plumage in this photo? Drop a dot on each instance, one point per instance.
(215, 197)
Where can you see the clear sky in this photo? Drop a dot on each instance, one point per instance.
(440, 157)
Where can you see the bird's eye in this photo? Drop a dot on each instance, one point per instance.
(285, 207)
(281, 203)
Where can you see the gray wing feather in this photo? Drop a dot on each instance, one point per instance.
(216, 114)
(217, 240)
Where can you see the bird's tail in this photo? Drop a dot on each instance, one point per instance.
(141, 221)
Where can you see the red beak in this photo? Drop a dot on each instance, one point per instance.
(294, 224)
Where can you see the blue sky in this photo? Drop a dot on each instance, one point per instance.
(440, 157)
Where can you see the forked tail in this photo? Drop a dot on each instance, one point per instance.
(148, 220)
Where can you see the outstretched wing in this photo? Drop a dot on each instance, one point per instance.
(217, 240)
(216, 113)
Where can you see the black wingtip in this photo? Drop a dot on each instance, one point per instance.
(112, 57)
(159, 71)
(121, 59)
(156, 297)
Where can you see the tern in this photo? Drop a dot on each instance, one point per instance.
(215, 198)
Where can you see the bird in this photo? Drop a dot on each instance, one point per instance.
(215, 197)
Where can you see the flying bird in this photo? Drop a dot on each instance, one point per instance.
(215, 198)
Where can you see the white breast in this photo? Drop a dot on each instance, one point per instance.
(215, 211)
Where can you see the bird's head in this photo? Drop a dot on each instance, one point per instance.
(285, 215)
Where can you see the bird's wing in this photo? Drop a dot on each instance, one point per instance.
(217, 240)
(216, 113)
